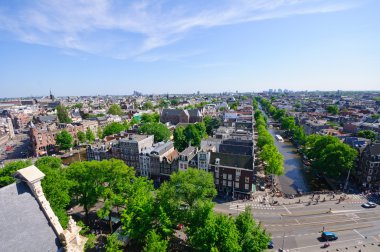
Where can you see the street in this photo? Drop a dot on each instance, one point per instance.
(298, 227)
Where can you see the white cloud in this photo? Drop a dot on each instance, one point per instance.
(119, 30)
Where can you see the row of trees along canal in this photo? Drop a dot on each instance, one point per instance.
(327, 154)
(148, 216)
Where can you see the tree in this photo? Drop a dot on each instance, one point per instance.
(138, 216)
(179, 138)
(288, 123)
(155, 243)
(252, 237)
(184, 191)
(87, 184)
(150, 118)
(113, 128)
(99, 133)
(211, 123)
(118, 178)
(56, 186)
(159, 130)
(336, 158)
(81, 137)
(163, 103)
(115, 109)
(147, 105)
(6, 173)
(64, 140)
(63, 115)
(113, 244)
(369, 134)
(193, 135)
(218, 234)
(299, 135)
(315, 144)
(332, 109)
(273, 159)
(174, 102)
(278, 114)
(90, 135)
(265, 138)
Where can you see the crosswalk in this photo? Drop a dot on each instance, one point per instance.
(256, 203)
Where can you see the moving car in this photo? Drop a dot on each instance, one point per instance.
(369, 205)
(270, 245)
(329, 236)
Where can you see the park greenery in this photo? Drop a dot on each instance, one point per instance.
(63, 114)
(328, 155)
(81, 137)
(115, 109)
(148, 216)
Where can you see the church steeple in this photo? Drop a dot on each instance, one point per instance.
(51, 96)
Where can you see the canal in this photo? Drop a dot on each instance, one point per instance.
(294, 177)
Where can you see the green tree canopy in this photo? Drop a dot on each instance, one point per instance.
(332, 109)
(159, 130)
(252, 237)
(150, 118)
(81, 137)
(90, 136)
(113, 128)
(218, 234)
(179, 138)
(369, 134)
(211, 123)
(7, 172)
(115, 109)
(64, 140)
(56, 186)
(147, 105)
(273, 158)
(155, 243)
(184, 192)
(63, 114)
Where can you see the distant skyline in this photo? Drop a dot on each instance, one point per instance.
(92, 47)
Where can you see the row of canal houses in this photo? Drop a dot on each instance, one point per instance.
(228, 154)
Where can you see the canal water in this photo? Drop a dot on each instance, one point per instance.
(294, 173)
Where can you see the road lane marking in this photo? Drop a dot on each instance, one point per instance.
(287, 210)
(318, 245)
(356, 231)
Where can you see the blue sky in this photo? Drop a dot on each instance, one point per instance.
(90, 47)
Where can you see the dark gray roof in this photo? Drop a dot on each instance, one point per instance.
(194, 112)
(232, 160)
(47, 118)
(24, 226)
(174, 112)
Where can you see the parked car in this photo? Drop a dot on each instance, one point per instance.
(329, 236)
(369, 205)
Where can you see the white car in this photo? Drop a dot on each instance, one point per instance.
(369, 205)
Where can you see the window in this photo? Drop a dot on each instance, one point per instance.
(216, 174)
(229, 176)
(246, 186)
(217, 181)
(229, 183)
(246, 179)
(224, 176)
(238, 172)
(237, 184)
(224, 182)
(216, 169)
(237, 178)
